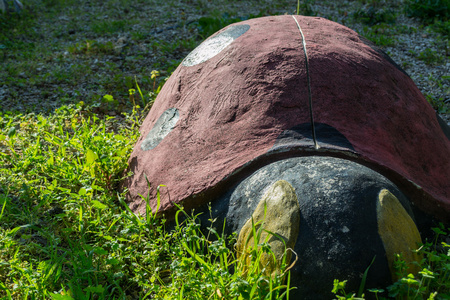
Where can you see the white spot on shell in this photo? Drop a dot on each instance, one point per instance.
(214, 45)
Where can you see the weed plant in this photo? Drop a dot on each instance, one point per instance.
(433, 281)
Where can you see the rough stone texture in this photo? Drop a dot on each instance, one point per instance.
(234, 107)
(398, 232)
(277, 212)
(338, 233)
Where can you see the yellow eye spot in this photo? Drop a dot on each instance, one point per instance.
(398, 232)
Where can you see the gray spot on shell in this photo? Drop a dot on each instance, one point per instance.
(213, 46)
(161, 129)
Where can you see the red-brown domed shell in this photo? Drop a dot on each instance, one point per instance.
(228, 104)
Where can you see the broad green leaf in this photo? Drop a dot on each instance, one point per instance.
(108, 98)
(60, 297)
(100, 251)
(88, 247)
(12, 131)
(82, 192)
(63, 189)
(95, 289)
(90, 156)
(97, 188)
(122, 152)
(51, 161)
(98, 204)
(113, 261)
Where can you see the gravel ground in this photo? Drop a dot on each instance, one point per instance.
(159, 34)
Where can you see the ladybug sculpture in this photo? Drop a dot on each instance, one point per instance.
(304, 117)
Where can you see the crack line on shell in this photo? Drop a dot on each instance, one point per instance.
(313, 128)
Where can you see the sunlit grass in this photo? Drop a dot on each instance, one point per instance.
(66, 232)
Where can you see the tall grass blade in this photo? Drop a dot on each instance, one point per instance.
(196, 257)
(158, 198)
(363, 281)
(134, 218)
(140, 93)
(3, 209)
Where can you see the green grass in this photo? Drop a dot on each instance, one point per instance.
(67, 233)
